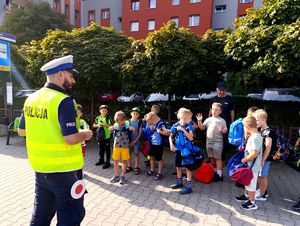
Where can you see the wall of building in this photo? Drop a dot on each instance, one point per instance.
(163, 12)
(114, 6)
(224, 19)
(2, 11)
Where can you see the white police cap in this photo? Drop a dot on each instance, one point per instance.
(60, 64)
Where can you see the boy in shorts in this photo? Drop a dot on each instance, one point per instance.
(216, 129)
(269, 147)
(253, 156)
(122, 132)
(158, 129)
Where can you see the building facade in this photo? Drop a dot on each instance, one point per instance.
(139, 17)
(136, 18)
(225, 11)
(104, 12)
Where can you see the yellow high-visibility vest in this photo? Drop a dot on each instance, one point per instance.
(47, 150)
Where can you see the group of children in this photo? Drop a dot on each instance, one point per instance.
(260, 142)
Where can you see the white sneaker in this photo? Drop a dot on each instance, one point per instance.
(257, 195)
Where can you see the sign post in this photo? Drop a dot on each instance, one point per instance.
(5, 65)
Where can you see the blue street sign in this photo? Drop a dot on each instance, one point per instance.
(4, 56)
(7, 37)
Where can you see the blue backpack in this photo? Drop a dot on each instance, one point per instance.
(235, 162)
(236, 132)
(164, 139)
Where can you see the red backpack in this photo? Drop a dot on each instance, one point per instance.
(205, 173)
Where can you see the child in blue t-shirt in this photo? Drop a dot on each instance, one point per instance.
(135, 140)
(158, 129)
(183, 132)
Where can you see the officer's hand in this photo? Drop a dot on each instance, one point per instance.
(87, 134)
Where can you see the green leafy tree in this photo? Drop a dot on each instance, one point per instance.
(217, 62)
(171, 61)
(98, 53)
(264, 47)
(32, 22)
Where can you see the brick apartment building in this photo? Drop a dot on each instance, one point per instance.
(136, 18)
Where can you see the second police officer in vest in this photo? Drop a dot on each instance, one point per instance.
(53, 144)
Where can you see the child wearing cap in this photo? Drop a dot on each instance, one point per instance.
(103, 120)
(135, 140)
(122, 132)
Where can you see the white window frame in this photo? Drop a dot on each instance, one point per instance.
(245, 1)
(134, 26)
(222, 8)
(192, 20)
(152, 4)
(176, 20)
(195, 1)
(105, 14)
(151, 25)
(175, 2)
(135, 5)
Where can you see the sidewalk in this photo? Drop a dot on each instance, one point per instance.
(144, 201)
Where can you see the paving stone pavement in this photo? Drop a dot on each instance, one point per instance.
(144, 201)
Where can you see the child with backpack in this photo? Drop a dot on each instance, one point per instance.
(269, 149)
(253, 156)
(135, 140)
(121, 133)
(183, 132)
(216, 129)
(102, 122)
(158, 130)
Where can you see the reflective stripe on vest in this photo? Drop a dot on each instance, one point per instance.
(47, 150)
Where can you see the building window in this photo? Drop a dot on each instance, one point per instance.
(135, 5)
(105, 14)
(220, 8)
(245, 1)
(175, 2)
(77, 14)
(134, 26)
(176, 20)
(67, 10)
(194, 20)
(91, 16)
(151, 25)
(56, 4)
(152, 4)
(195, 1)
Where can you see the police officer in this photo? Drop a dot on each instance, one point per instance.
(53, 143)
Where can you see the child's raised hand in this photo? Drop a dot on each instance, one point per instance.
(199, 117)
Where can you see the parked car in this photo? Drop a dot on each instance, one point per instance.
(193, 96)
(108, 96)
(153, 97)
(23, 93)
(255, 95)
(138, 96)
(282, 94)
(200, 96)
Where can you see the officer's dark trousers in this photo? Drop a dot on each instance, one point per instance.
(52, 194)
(104, 148)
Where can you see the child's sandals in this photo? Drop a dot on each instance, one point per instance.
(129, 169)
(137, 171)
